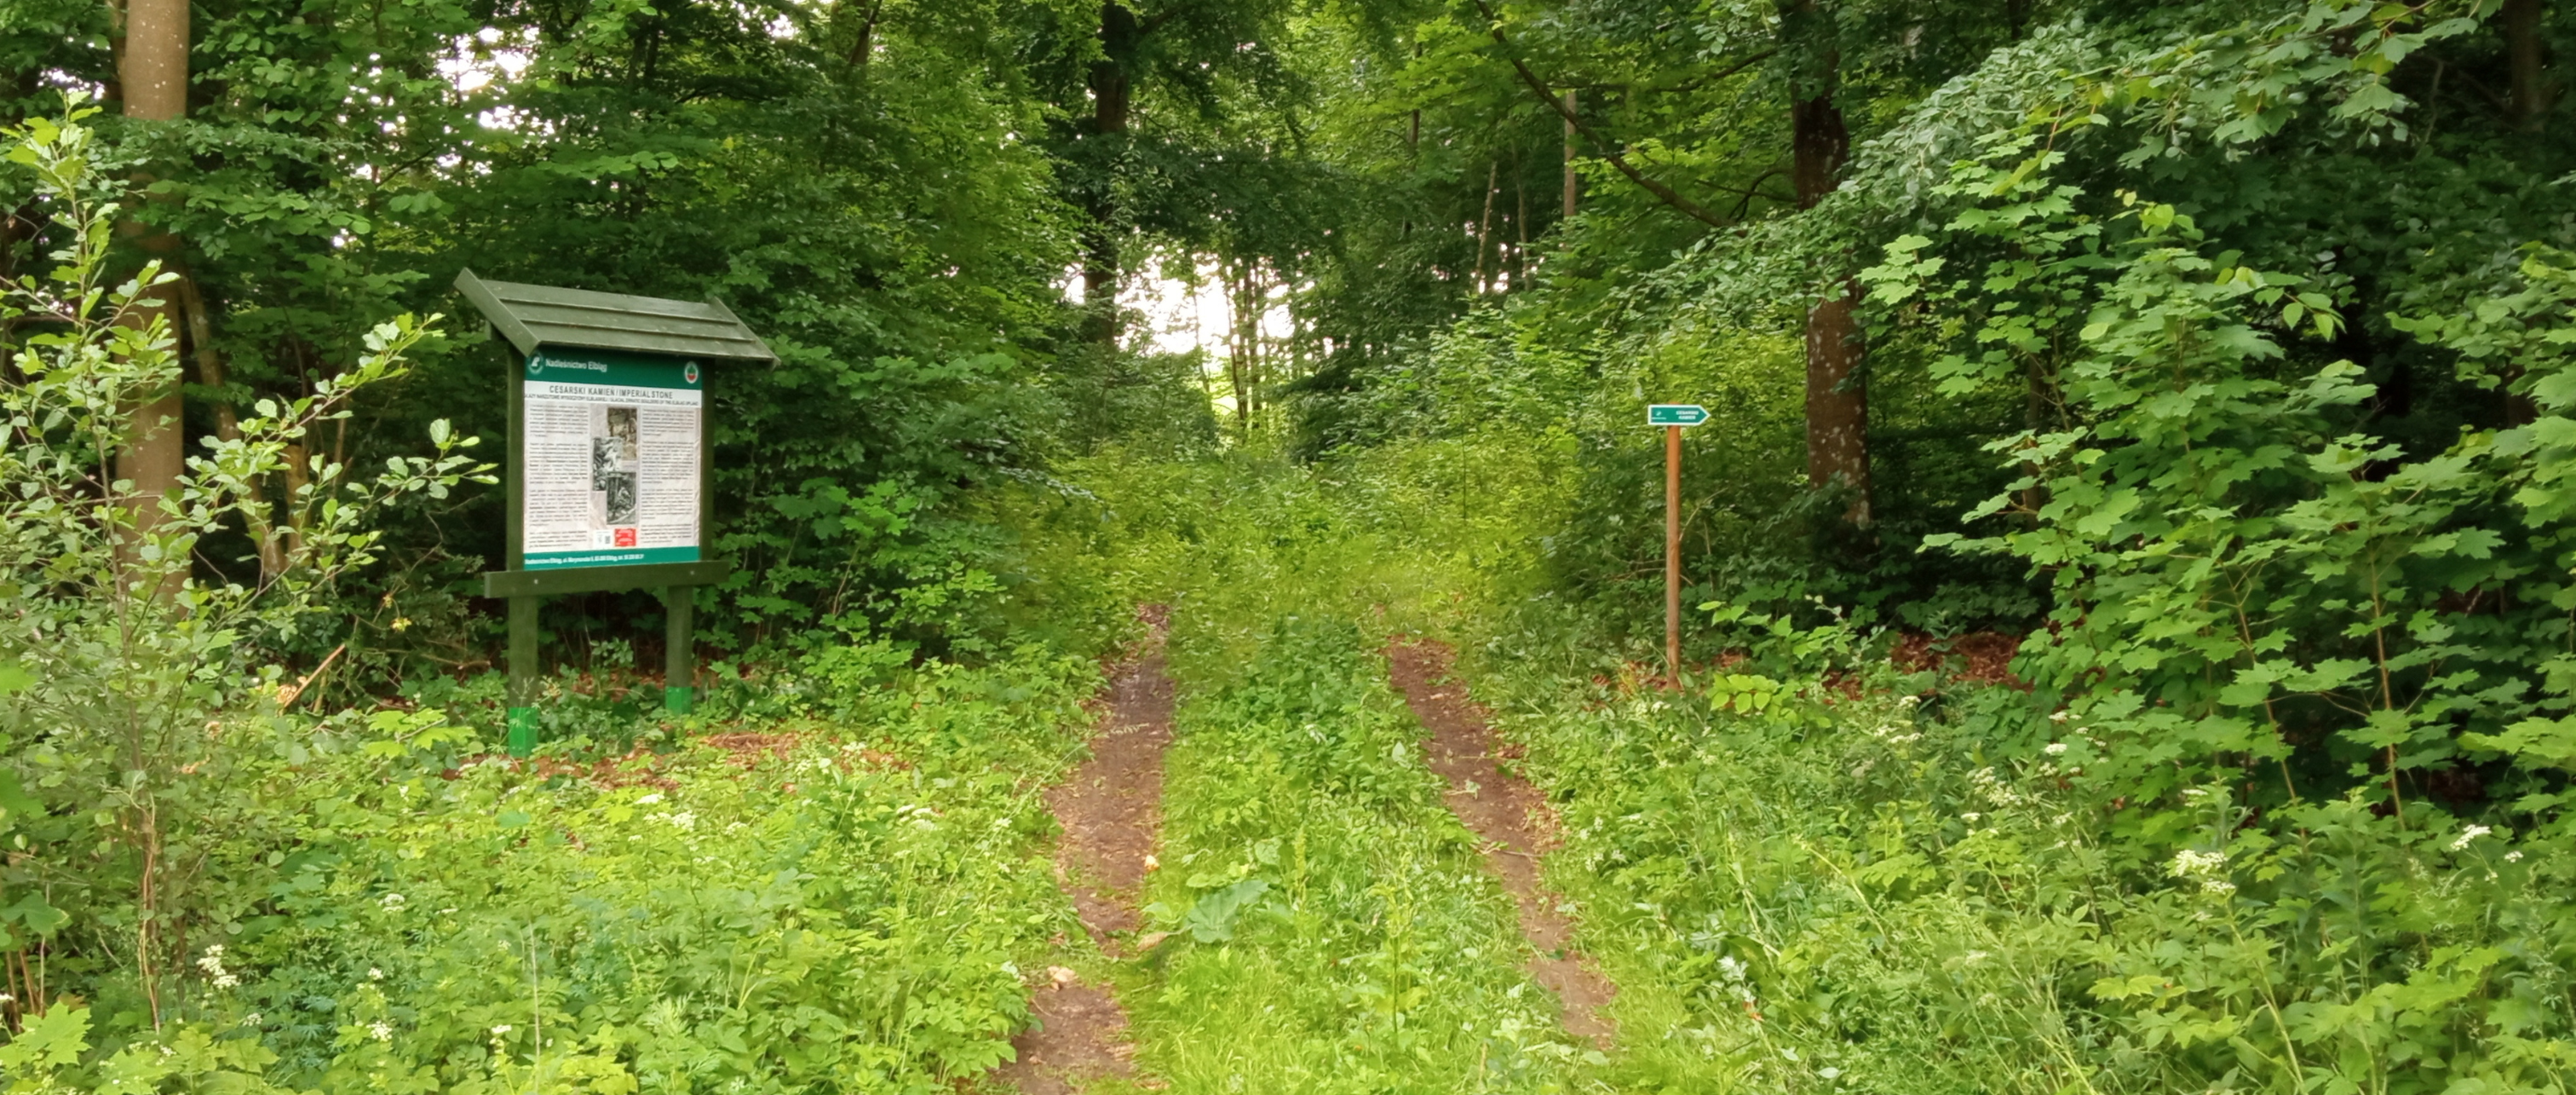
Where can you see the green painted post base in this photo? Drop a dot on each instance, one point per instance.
(680, 662)
(523, 675)
(523, 731)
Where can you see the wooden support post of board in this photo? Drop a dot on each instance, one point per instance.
(1673, 552)
(680, 663)
(523, 676)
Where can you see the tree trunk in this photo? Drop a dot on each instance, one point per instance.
(1837, 402)
(1569, 155)
(2524, 56)
(17, 225)
(211, 372)
(1243, 358)
(1485, 225)
(153, 74)
(1520, 226)
(1413, 137)
(1111, 87)
(863, 45)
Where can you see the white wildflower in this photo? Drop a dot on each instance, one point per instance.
(1732, 967)
(383, 1031)
(2193, 863)
(392, 902)
(2056, 749)
(684, 820)
(2514, 856)
(2466, 835)
(1907, 703)
(213, 964)
(2058, 717)
(1991, 787)
(499, 1029)
(649, 799)
(374, 974)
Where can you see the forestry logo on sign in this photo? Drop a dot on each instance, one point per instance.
(691, 373)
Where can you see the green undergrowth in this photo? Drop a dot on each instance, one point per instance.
(1410, 542)
(1807, 872)
(1333, 929)
(1860, 889)
(836, 896)
(1844, 897)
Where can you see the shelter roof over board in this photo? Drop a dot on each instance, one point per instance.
(531, 316)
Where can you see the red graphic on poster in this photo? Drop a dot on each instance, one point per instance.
(626, 537)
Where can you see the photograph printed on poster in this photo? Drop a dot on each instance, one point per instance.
(613, 466)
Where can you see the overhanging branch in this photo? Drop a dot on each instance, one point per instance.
(1608, 151)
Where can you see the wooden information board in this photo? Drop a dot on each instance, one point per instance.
(606, 484)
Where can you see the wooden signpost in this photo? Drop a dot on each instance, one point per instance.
(1673, 417)
(606, 482)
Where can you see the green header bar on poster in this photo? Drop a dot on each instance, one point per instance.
(562, 365)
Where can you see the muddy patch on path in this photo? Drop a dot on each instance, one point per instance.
(1512, 823)
(1110, 814)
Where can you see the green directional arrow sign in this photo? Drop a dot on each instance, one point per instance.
(1676, 414)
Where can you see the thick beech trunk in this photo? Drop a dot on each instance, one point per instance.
(1111, 89)
(2526, 60)
(1837, 401)
(153, 77)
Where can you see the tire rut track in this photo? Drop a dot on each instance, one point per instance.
(1513, 826)
(1109, 811)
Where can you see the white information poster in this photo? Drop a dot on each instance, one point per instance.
(610, 455)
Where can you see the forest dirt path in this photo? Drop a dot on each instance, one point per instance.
(1511, 821)
(1110, 811)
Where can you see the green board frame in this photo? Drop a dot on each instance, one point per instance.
(603, 327)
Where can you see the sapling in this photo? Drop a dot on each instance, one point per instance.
(132, 676)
